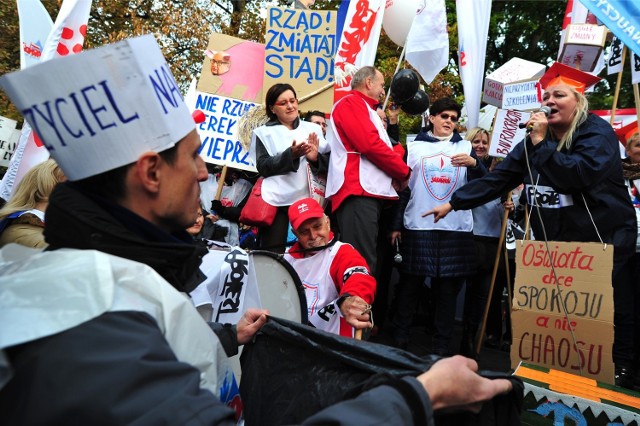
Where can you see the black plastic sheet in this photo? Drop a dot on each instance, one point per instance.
(292, 371)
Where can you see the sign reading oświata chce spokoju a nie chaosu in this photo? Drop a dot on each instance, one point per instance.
(551, 305)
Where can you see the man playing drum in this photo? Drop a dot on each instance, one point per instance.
(336, 278)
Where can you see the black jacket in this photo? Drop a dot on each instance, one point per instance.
(591, 169)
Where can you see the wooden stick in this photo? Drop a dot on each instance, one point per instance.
(358, 334)
(483, 327)
(223, 176)
(617, 91)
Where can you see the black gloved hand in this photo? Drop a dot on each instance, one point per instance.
(217, 207)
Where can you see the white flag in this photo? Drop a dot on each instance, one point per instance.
(473, 29)
(35, 26)
(427, 48)
(635, 68)
(65, 38)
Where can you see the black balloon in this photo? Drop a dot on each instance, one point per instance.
(404, 85)
(416, 105)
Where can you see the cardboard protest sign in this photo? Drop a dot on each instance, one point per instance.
(233, 68)
(219, 131)
(299, 49)
(506, 133)
(8, 139)
(583, 44)
(513, 85)
(563, 316)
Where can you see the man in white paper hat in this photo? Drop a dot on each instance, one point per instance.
(96, 329)
(115, 121)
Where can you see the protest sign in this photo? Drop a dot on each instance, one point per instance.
(562, 311)
(299, 49)
(583, 44)
(513, 85)
(614, 61)
(506, 133)
(233, 68)
(8, 139)
(219, 131)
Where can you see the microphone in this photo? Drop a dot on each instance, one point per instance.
(398, 257)
(545, 109)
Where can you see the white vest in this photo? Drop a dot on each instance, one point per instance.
(319, 288)
(372, 179)
(284, 190)
(432, 182)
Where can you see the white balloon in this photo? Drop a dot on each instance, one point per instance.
(398, 17)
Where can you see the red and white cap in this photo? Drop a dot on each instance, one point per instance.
(304, 209)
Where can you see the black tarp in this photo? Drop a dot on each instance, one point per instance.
(291, 371)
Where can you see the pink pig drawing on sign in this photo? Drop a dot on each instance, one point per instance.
(239, 66)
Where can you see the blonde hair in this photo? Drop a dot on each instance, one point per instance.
(34, 188)
(471, 135)
(580, 115)
(635, 138)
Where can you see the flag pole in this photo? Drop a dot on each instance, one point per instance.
(636, 97)
(617, 91)
(386, 99)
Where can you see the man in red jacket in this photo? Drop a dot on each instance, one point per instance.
(337, 283)
(363, 169)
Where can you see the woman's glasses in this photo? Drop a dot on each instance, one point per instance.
(445, 116)
(293, 101)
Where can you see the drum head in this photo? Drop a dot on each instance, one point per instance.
(279, 286)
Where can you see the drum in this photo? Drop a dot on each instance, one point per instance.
(279, 287)
(237, 280)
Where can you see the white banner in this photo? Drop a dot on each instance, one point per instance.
(506, 133)
(427, 48)
(635, 69)
(358, 42)
(473, 29)
(614, 60)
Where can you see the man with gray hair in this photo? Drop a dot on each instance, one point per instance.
(364, 171)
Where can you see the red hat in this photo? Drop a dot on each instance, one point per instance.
(302, 210)
(562, 74)
(624, 133)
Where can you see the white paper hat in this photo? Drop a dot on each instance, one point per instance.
(102, 108)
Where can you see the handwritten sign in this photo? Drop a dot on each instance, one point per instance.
(506, 133)
(219, 131)
(9, 137)
(582, 46)
(300, 46)
(560, 294)
(512, 86)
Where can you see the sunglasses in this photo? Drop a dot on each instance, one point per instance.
(445, 116)
(285, 103)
